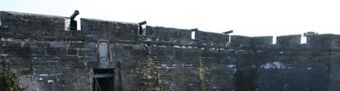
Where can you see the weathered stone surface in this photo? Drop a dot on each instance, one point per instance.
(45, 57)
(287, 41)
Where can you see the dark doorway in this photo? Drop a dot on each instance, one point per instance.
(103, 80)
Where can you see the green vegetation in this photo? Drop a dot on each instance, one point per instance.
(201, 72)
(9, 80)
(150, 76)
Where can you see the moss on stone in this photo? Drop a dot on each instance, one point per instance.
(9, 80)
(150, 79)
(201, 72)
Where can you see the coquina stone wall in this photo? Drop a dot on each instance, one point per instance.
(42, 55)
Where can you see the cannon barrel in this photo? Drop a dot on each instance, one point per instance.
(228, 32)
(194, 29)
(74, 14)
(142, 23)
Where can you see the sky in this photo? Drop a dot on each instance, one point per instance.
(244, 17)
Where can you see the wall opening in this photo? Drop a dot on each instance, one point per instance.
(142, 31)
(229, 39)
(303, 39)
(67, 24)
(142, 28)
(274, 40)
(305, 35)
(73, 24)
(78, 24)
(0, 22)
(193, 33)
(103, 80)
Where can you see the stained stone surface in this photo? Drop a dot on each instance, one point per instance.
(45, 57)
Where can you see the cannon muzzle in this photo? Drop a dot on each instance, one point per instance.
(74, 15)
(228, 32)
(142, 23)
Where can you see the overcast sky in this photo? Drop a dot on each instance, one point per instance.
(245, 17)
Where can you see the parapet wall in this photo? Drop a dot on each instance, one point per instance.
(48, 57)
(25, 25)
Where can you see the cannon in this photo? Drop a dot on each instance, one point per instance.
(74, 15)
(141, 31)
(228, 32)
(142, 23)
(73, 24)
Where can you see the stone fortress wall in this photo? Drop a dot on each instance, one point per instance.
(46, 56)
